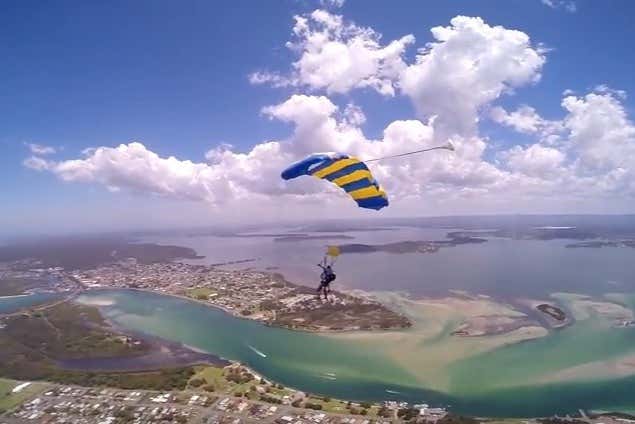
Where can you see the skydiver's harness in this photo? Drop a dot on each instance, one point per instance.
(327, 277)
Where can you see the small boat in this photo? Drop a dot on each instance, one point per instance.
(257, 351)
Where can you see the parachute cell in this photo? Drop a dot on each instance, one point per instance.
(348, 173)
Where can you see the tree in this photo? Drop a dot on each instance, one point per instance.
(197, 382)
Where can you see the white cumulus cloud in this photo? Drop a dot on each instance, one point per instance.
(600, 132)
(535, 160)
(586, 156)
(468, 66)
(40, 149)
(337, 56)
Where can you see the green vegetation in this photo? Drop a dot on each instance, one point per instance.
(408, 414)
(336, 316)
(166, 379)
(238, 375)
(554, 312)
(232, 379)
(9, 400)
(200, 293)
(31, 345)
(327, 404)
(87, 253)
(66, 331)
(460, 419)
(212, 378)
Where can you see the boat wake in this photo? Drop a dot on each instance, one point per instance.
(393, 392)
(257, 352)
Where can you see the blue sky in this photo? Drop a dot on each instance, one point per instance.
(174, 76)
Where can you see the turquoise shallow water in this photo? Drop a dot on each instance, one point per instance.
(492, 384)
(15, 303)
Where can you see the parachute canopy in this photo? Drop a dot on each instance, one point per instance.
(348, 173)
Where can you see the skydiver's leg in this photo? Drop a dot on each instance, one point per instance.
(320, 289)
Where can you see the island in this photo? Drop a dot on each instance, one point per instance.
(409, 246)
(553, 311)
(297, 238)
(602, 243)
(547, 232)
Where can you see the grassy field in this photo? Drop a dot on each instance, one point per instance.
(201, 293)
(9, 400)
(211, 376)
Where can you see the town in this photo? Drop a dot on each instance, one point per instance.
(54, 403)
(250, 294)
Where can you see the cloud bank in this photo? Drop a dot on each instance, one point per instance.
(454, 82)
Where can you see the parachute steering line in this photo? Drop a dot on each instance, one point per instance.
(448, 146)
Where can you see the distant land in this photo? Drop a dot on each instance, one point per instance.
(534, 233)
(295, 238)
(83, 253)
(418, 246)
(605, 243)
(257, 295)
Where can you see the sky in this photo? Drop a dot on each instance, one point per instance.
(149, 114)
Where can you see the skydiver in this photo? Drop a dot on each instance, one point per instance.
(326, 278)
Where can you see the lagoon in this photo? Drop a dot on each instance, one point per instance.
(505, 381)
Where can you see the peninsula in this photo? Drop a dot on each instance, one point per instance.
(73, 266)
(257, 295)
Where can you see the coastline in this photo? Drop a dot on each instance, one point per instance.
(233, 315)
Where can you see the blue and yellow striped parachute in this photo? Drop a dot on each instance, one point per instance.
(348, 173)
